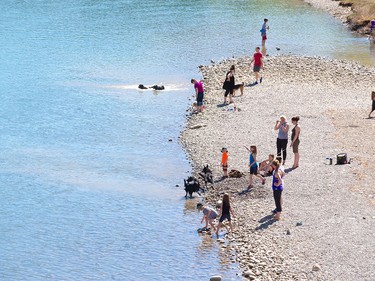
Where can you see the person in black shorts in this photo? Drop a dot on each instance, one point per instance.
(229, 85)
(225, 212)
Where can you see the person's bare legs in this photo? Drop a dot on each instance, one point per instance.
(264, 49)
(217, 228)
(296, 160)
(231, 226)
(256, 76)
(250, 181)
(261, 178)
(211, 222)
(277, 216)
(230, 97)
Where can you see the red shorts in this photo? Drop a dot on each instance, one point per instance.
(264, 37)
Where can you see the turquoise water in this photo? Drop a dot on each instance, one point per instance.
(87, 172)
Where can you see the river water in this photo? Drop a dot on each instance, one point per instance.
(89, 164)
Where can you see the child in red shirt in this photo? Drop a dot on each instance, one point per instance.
(224, 161)
(258, 63)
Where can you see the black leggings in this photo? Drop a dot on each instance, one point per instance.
(277, 197)
(228, 91)
(281, 146)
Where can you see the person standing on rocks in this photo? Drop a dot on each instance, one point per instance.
(225, 212)
(373, 103)
(277, 187)
(295, 140)
(229, 85)
(253, 164)
(224, 161)
(199, 93)
(282, 138)
(258, 64)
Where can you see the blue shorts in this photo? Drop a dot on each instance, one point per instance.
(200, 99)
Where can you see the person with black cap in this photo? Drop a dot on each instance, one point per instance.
(209, 215)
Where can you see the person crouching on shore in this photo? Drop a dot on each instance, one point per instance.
(209, 215)
(225, 212)
(199, 93)
(277, 187)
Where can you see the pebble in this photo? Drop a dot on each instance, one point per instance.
(316, 267)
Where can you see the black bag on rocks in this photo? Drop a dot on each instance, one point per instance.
(342, 158)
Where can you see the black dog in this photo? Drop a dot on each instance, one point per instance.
(206, 174)
(192, 185)
(158, 88)
(155, 87)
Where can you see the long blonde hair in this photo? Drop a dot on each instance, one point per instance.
(276, 163)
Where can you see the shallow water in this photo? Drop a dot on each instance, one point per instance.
(87, 172)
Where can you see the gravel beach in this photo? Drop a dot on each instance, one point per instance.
(332, 7)
(327, 226)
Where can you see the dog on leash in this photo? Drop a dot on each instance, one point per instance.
(206, 174)
(192, 185)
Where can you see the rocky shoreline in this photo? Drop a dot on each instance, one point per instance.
(346, 12)
(329, 210)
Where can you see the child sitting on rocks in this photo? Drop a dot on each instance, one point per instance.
(265, 167)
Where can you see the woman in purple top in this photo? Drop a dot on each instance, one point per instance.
(277, 187)
(199, 93)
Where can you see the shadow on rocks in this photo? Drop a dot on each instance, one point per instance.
(219, 179)
(265, 222)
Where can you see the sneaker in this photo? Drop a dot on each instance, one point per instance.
(261, 79)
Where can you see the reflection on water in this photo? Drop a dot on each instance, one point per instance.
(372, 52)
(190, 205)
